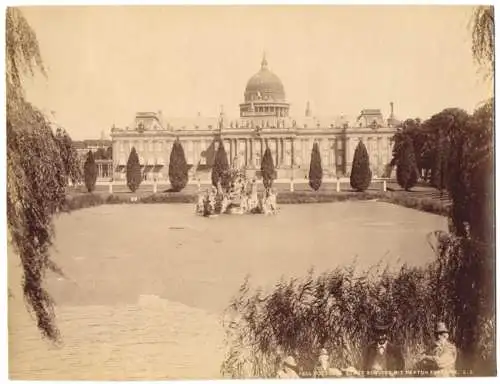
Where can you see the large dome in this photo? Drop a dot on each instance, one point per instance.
(264, 85)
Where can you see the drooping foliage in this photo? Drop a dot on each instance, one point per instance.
(483, 37)
(36, 173)
(315, 169)
(178, 168)
(361, 174)
(90, 172)
(134, 174)
(267, 169)
(69, 156)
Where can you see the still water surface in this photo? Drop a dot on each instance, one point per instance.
(146, 284)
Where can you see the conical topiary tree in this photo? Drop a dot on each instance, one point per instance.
(267, 169)
(134, 176)
(361, 174)
(315, 169)
(90, 172)
(220, 167)
(406, 171)
(177, 168)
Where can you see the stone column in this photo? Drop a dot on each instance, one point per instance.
(380, 165)
(279, 158)
(247, 152)
(323, 148)
(252, 146)
(234, 143)
(231, 151)
(237, 149)
(292, 152)
(389, 146)
(283, 151)
(348, 160)
(227, 144)
(251, 155)
(333, 154)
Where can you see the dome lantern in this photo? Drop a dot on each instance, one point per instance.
(264, 95)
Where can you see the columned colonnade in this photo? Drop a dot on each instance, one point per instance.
(288, 151)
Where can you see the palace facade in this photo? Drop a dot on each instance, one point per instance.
(264, 121)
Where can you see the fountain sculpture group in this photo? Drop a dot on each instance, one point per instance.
(239, 197)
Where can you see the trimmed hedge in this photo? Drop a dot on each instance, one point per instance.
(85, 200)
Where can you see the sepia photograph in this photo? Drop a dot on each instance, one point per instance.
(206, 192)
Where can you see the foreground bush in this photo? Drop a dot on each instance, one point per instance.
(334, 311)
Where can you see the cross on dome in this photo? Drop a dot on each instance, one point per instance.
(264, 61)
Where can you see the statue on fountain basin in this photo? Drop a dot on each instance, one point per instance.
(253, 199)
(268, 203)
(239, 197)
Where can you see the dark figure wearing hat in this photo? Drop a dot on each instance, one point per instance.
(381, 357)
(441, 359)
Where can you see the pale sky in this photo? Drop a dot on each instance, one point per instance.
(106, 63)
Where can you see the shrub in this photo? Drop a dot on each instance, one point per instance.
(334, 311)
(90, 172)
(406, 171)
(315, 169)
(267, 169)
(178, 168)
(69, 156)
(220, 167)
(361, 174)
(134, 175)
